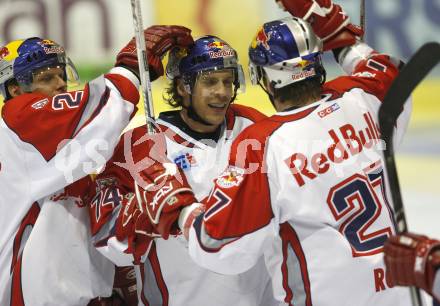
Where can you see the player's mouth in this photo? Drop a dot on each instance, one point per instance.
(218, 106)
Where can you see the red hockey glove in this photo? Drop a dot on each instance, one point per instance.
(329, 21)
(132, 225)
(165, 194)
(412, 260)
(158, 39)
(161, 188)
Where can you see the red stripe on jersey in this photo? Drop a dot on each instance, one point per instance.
(142, 268)
(290, 240)
(375, 79)
(29, 220)
(247, 112)
(230, 119)
(16, 288)
(154, 261)
(128, 91)
(237, 110)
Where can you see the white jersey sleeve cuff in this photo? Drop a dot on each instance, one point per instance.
(352, 55)
(114, 251)
(187, 216)
(127, 74)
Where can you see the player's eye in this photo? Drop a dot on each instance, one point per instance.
(228, 82)
(209, 81)
(49, 74)
(45, 78)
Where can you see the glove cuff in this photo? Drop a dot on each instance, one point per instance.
(343, 37)
(429, 262)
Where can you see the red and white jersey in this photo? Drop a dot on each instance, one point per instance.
(59, 263)
(310, 195)
(168, 275)
(46, 144)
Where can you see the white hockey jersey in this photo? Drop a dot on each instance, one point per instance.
(46, 144)
(168, 275)
(311, 195)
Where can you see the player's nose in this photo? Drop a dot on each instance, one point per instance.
(223, 91)
(61, 84)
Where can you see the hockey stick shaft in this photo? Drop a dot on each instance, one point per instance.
(411, 75)
(143, 65)
(362, 19)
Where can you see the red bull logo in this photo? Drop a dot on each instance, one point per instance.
(262, 38)
(3, 53)
(303, 74)
(48, 42)
(302, 64)
(221, 53)
(220, 49)
(216, 45)
(232, 176)
(51, 47)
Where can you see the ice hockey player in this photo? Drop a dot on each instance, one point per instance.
(50, 139)
(312, 198)
(198, 134)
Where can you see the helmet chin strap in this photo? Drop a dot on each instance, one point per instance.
(271, 98)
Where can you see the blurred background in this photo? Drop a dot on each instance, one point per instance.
(93, 31)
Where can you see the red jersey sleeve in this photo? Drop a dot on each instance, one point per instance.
(240, 202)
(245, 112)
(374, 75)
(45, 122)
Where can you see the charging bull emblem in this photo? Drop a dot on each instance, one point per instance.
(232, 176)
(262, 38)
(216, 45)
(3, 53)
(48, 42)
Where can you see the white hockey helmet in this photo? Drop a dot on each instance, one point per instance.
(287, 50)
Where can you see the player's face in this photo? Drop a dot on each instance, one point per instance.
(212, 95)
(49, 81)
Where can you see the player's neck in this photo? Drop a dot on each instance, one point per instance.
(290, 104)
(196, 126)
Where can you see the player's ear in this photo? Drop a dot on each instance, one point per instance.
(14, 89)
(183, 92)
(181, 88)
